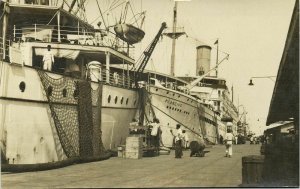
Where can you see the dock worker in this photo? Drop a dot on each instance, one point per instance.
(228, 141)
(185, 139)
(48, 59)
(178, 140)
(155, 133)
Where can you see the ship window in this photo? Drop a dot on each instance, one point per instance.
(127, 101)
(122, 100)
(173, 108)
(64, 92)
(49, 90)
(109, 98)
(156, 89)
(22, 86)
(116, 100)
(167, 106)
(134, 102)
(173, 94)
(167, 92)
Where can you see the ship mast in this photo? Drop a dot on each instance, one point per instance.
(174, 35)
(174, 39)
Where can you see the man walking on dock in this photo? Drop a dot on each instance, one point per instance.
(228, 139)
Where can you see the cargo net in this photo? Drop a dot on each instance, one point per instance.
(75, 109)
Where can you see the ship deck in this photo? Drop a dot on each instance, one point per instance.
(213, 170)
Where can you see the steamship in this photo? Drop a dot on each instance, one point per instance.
(200, 104)
(78, 108)
(203, 111)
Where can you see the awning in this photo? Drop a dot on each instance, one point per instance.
(284, 104)
(59, 53)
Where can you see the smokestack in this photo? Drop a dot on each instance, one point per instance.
(203, 59)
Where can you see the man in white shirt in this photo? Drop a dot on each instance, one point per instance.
(228, 139)
(178, 141)
(185, 139)
(155, 133)
(48, 59)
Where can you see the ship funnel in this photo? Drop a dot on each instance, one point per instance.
(203, 59)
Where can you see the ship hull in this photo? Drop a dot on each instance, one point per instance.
(172, 107)
(29, 132)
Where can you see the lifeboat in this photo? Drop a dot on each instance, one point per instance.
(129, 33)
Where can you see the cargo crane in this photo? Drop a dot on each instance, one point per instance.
(151, 146)
(143, 60)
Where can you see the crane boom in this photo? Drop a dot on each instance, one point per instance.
(147, 53)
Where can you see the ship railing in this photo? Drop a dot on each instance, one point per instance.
(70, 35)
(4, 51)
(118, 79)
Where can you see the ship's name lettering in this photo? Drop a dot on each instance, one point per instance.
(174, 103)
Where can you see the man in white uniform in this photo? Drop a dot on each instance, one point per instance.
(228, 139)
(48, 59)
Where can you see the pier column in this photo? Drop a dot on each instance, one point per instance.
(107, 66)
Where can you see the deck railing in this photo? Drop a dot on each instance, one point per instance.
(70, 35)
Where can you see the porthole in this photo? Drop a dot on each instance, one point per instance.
(116, 100)
(22, 86)
(167, 107)
(64, 92)
(156, 89)
(178, 96)
(173, 108)
(167, 92)
(134, 102)
(49, 90)
(122, 100)
(109, 98)
(173, 94)
(127, 101)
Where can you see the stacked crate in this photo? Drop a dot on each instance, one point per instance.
(134, 147)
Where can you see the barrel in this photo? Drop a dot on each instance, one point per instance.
(252, 170)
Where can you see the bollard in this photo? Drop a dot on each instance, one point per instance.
(252, 170)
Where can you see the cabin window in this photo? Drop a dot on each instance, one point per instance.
(109, 98)
(22, 86)
(116, 100)
(127, 101)
(122, 100)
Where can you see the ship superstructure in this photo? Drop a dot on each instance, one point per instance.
(80, 106)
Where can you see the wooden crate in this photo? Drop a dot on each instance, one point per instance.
(134, 146)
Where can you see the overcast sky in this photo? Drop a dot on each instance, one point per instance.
(253, 32)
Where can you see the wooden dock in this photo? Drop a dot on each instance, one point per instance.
(213, 170)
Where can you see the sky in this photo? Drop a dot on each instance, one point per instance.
(253, 32)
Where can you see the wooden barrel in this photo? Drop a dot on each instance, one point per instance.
(252, 170)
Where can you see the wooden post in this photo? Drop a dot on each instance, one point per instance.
(58, 26)
(4, 29)
(107, 66)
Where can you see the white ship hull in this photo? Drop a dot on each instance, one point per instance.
(28, 134)
(172, 107)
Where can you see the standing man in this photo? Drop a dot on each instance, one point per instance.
(236, 139)
(48, 59)
(155, 132)
(178, 141)
(228, 140)
(185, 139)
